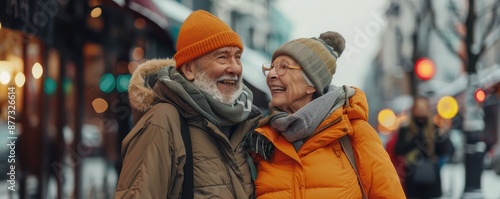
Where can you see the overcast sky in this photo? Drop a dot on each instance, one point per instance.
(359, 21)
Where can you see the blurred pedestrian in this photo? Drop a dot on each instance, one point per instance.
(422, 143)
(316, 133)
(491, 108)
(397, 160)
(204, 88)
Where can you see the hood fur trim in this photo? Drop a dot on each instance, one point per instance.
(141, 95)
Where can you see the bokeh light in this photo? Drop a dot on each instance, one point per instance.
(140, 23)
(50, 86)
(37, 70)
(4, 77)
(122, 82)
(447, 107)
(96, 12)
(20, 79)
(132, 66)
(68, 86)
(386, 117)
(138, 53)
(424, 69)
(107, 83)
(100, 105)
(479, 95)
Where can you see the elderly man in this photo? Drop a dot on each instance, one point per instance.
(202, 87)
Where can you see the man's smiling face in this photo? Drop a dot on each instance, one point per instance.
(219, 73)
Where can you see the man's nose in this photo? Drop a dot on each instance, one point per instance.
(234, 66)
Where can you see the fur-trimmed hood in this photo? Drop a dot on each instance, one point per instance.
(141, 93)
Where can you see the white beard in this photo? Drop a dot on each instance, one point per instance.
(205, 83)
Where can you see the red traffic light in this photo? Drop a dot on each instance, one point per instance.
(424, 68)
(479, 95)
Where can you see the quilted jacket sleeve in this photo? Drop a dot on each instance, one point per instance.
(150, 163)
(377, 173)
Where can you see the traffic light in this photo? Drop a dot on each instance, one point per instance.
(479, 95)
(424, 68)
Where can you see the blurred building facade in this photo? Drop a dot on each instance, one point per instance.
(70, 62)
(448, 34)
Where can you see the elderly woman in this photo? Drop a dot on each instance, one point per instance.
(297, 147)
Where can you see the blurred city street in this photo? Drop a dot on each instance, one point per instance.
(66, 66)
(99, 181)
(452, 176)
(452, 179)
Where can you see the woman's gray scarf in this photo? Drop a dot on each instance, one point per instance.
(219, 113)
(301, 124)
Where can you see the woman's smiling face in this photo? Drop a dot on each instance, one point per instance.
(290, 90)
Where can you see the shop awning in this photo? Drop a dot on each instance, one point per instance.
(173, 10)
(147, 9)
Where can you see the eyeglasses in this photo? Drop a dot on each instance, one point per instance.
(280, 69)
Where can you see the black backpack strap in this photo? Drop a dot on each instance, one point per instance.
(188, 184)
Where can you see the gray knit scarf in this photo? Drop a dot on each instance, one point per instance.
(301, 124)
(219, 113)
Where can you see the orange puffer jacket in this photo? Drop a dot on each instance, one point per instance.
(320, 169)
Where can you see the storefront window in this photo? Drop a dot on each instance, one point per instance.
(11, 68)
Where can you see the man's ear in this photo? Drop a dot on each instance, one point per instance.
(311, 90)
(188, 70)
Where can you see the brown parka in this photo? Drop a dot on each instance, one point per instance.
(154, 154)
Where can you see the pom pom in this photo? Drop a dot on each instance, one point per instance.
(335, 40)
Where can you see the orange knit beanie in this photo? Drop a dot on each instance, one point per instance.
(202, 33)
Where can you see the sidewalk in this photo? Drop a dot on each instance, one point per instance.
(95, 173)
(453, 180)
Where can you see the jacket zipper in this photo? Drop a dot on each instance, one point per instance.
(338, 154)
(221, 147)
(229, 162)
(224, 156)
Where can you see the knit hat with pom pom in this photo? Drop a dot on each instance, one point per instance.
(317, 57)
